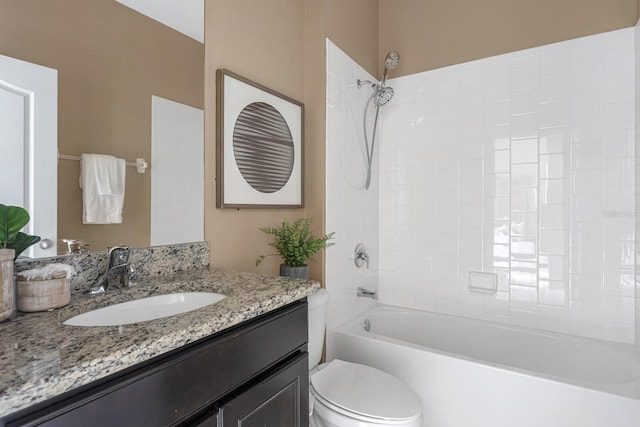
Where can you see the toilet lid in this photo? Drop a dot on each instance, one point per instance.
(366, 391)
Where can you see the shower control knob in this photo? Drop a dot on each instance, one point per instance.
(360, 256)
(46, 243)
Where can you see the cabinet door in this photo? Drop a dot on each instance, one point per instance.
(209, 420)
(280, 400)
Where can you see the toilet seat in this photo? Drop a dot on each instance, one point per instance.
(365, 393)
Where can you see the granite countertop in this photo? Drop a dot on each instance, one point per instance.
(41, 358)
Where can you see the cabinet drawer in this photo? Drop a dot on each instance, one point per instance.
(169, 390)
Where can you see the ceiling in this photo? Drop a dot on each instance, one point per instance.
(185, 16)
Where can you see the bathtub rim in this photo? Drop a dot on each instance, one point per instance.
(353, 323)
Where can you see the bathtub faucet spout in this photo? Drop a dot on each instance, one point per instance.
(362, 292)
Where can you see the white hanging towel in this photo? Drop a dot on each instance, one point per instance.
(102, 180)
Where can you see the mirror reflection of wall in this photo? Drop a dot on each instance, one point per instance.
(177, 176)
(111, 60)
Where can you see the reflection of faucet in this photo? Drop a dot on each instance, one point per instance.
(76, 246)
(118, 271)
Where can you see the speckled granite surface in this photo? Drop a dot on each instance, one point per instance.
(41, 358)
(152, 261)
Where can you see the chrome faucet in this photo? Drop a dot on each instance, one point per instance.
(362, 292)
(119, 270)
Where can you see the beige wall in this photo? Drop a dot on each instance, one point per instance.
(280, 44)
(265, 42)
(436, 33)
(110, 61)
(353, 27)
(315, 106)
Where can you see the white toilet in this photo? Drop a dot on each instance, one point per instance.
(345, 394)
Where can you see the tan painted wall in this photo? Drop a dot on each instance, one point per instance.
(265, 42)
(353, 27)
(436, 33)
(110, 61)
(280, 44)
(315, 105)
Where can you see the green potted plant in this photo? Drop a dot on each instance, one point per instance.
(12, 220)
(12, 243)
(295, 244)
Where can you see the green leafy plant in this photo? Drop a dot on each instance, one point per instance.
(12, 220)
(294, 242)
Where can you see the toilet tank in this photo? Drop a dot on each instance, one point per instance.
(317, 304)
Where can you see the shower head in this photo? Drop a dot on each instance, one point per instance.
(390, 62)
(382, 96)
(392, 59)
(381, 93)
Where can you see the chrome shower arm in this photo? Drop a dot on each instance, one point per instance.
(367, 82)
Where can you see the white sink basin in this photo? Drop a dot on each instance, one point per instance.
(149, 308)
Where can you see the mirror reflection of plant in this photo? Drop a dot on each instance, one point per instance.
(294, 242)
(12, 220)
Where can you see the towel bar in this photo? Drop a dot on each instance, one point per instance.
(141, 165)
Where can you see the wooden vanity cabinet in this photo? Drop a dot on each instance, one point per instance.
(253, 374)
(273, 401)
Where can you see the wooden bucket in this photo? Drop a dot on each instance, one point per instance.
(7, 288)
(43, 294)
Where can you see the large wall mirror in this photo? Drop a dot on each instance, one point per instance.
(117, 71)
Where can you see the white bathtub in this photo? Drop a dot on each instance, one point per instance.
(472, 373)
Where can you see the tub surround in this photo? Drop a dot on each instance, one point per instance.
(520, 165)
(528, 165)
(41, 358)
(351, 211)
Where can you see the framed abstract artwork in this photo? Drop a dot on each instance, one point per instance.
(259, 146)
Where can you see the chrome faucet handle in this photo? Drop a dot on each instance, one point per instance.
(360, 256)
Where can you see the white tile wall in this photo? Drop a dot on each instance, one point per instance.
(522, 165)
(351, 211)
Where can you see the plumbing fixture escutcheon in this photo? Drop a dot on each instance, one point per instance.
(360, 256)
